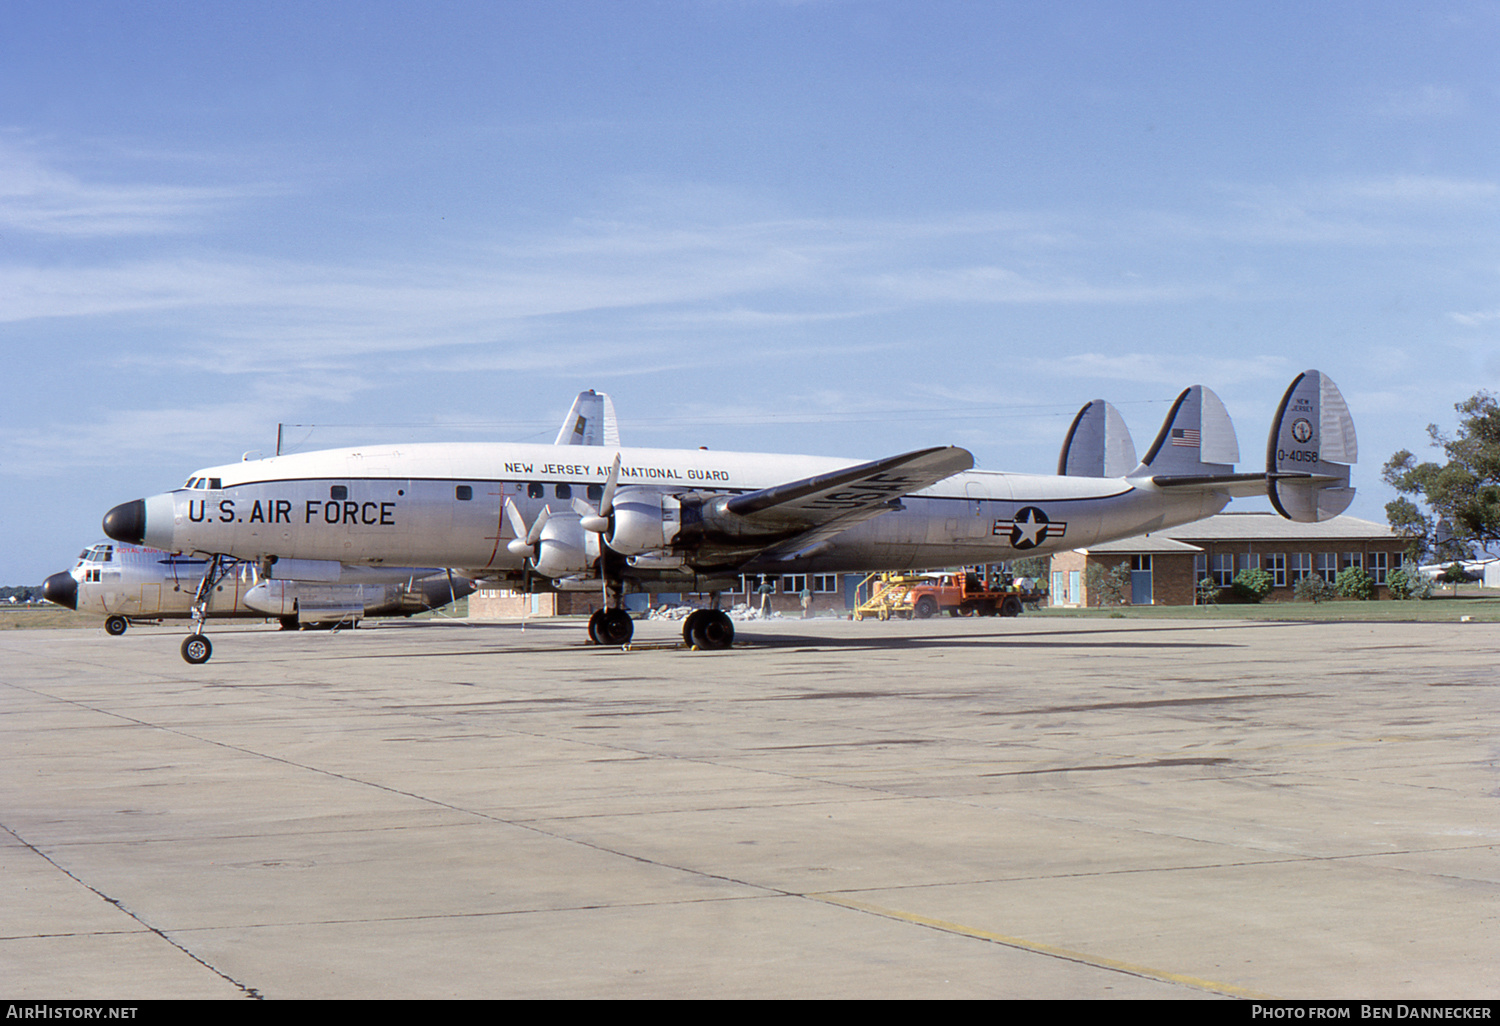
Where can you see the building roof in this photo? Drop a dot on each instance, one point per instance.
(1273, 527)
(1141, 544)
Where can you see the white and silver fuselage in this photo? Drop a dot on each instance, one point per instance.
(443, 504)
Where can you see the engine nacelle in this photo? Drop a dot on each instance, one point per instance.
(644, 520)
(565, 548)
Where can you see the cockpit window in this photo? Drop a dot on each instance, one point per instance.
(100, 554)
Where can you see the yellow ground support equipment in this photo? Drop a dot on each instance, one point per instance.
(889, 594)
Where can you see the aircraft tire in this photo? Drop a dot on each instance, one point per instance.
(115, 626)
(1011, 606)
(925, 608)
(615, 628)
(288, 623)
(714, 631)
(690, 626)
(594, 619)
(196, 648)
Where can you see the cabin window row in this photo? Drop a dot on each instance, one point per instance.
(534, 490)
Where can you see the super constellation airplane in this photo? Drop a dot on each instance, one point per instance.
(694, 520)
(130, 583)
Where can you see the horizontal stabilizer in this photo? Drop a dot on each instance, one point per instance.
(1098, 444)
(1196, 440)
(1311, 445)
(591, 421)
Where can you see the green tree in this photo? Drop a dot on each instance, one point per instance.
(1108, 587)
(1446, 510)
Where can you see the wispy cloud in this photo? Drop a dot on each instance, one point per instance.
(38, 198)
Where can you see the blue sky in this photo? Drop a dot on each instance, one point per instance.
(846, 227)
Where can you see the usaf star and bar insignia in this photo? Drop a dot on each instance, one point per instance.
(1029, 528)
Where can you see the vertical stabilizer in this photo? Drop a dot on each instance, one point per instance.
(1195, 440)
(591, 421)
(1308, 454)
(1098, 444)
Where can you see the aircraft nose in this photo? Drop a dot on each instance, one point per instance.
(127, 522)
(61, 589)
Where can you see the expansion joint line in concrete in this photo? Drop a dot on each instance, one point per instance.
(249, 992)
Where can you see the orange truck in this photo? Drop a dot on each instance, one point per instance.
(969, 593)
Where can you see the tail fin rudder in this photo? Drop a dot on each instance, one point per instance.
(1196, 440)
(1311, 445)
(1098, 444)
(591, 421)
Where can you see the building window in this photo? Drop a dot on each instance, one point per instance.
(1276, 565)
(1140, 563)
(1301, 567)
(792, 584)
(1224, 569)
(826, 584)
(1328, 566)
(1352, 559)
(1200, 567)
(1379, 565)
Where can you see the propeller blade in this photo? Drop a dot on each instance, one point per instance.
(517, 546)
(535, 534)
(607, 504)
(589, 517)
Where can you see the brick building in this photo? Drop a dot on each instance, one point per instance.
(1166, 565)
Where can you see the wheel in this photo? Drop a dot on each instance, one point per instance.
(594, 619)
(116, 625)
(690, 626)
(1011, 606)
(926, 607)
(714, 631)
(196, 649)
(615, 628)
(288, 623)
(963, 610)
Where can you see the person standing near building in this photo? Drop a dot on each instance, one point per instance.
(806, 596)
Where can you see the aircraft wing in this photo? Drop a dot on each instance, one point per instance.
(836, 501)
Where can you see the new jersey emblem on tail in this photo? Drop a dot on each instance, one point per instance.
(1311, 446)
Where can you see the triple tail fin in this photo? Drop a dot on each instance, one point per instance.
(1197, 440)
(1098, 444)
(1308, 454)
(591, 421)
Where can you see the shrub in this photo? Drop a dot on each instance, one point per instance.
(1353, 583)
(1252, 585)
(1313, 589)
(1408, 584)
(1208, 592)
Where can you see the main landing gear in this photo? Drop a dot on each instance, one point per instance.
(708, 629)
(611, 627)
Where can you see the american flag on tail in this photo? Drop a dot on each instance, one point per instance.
(1185, 436)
